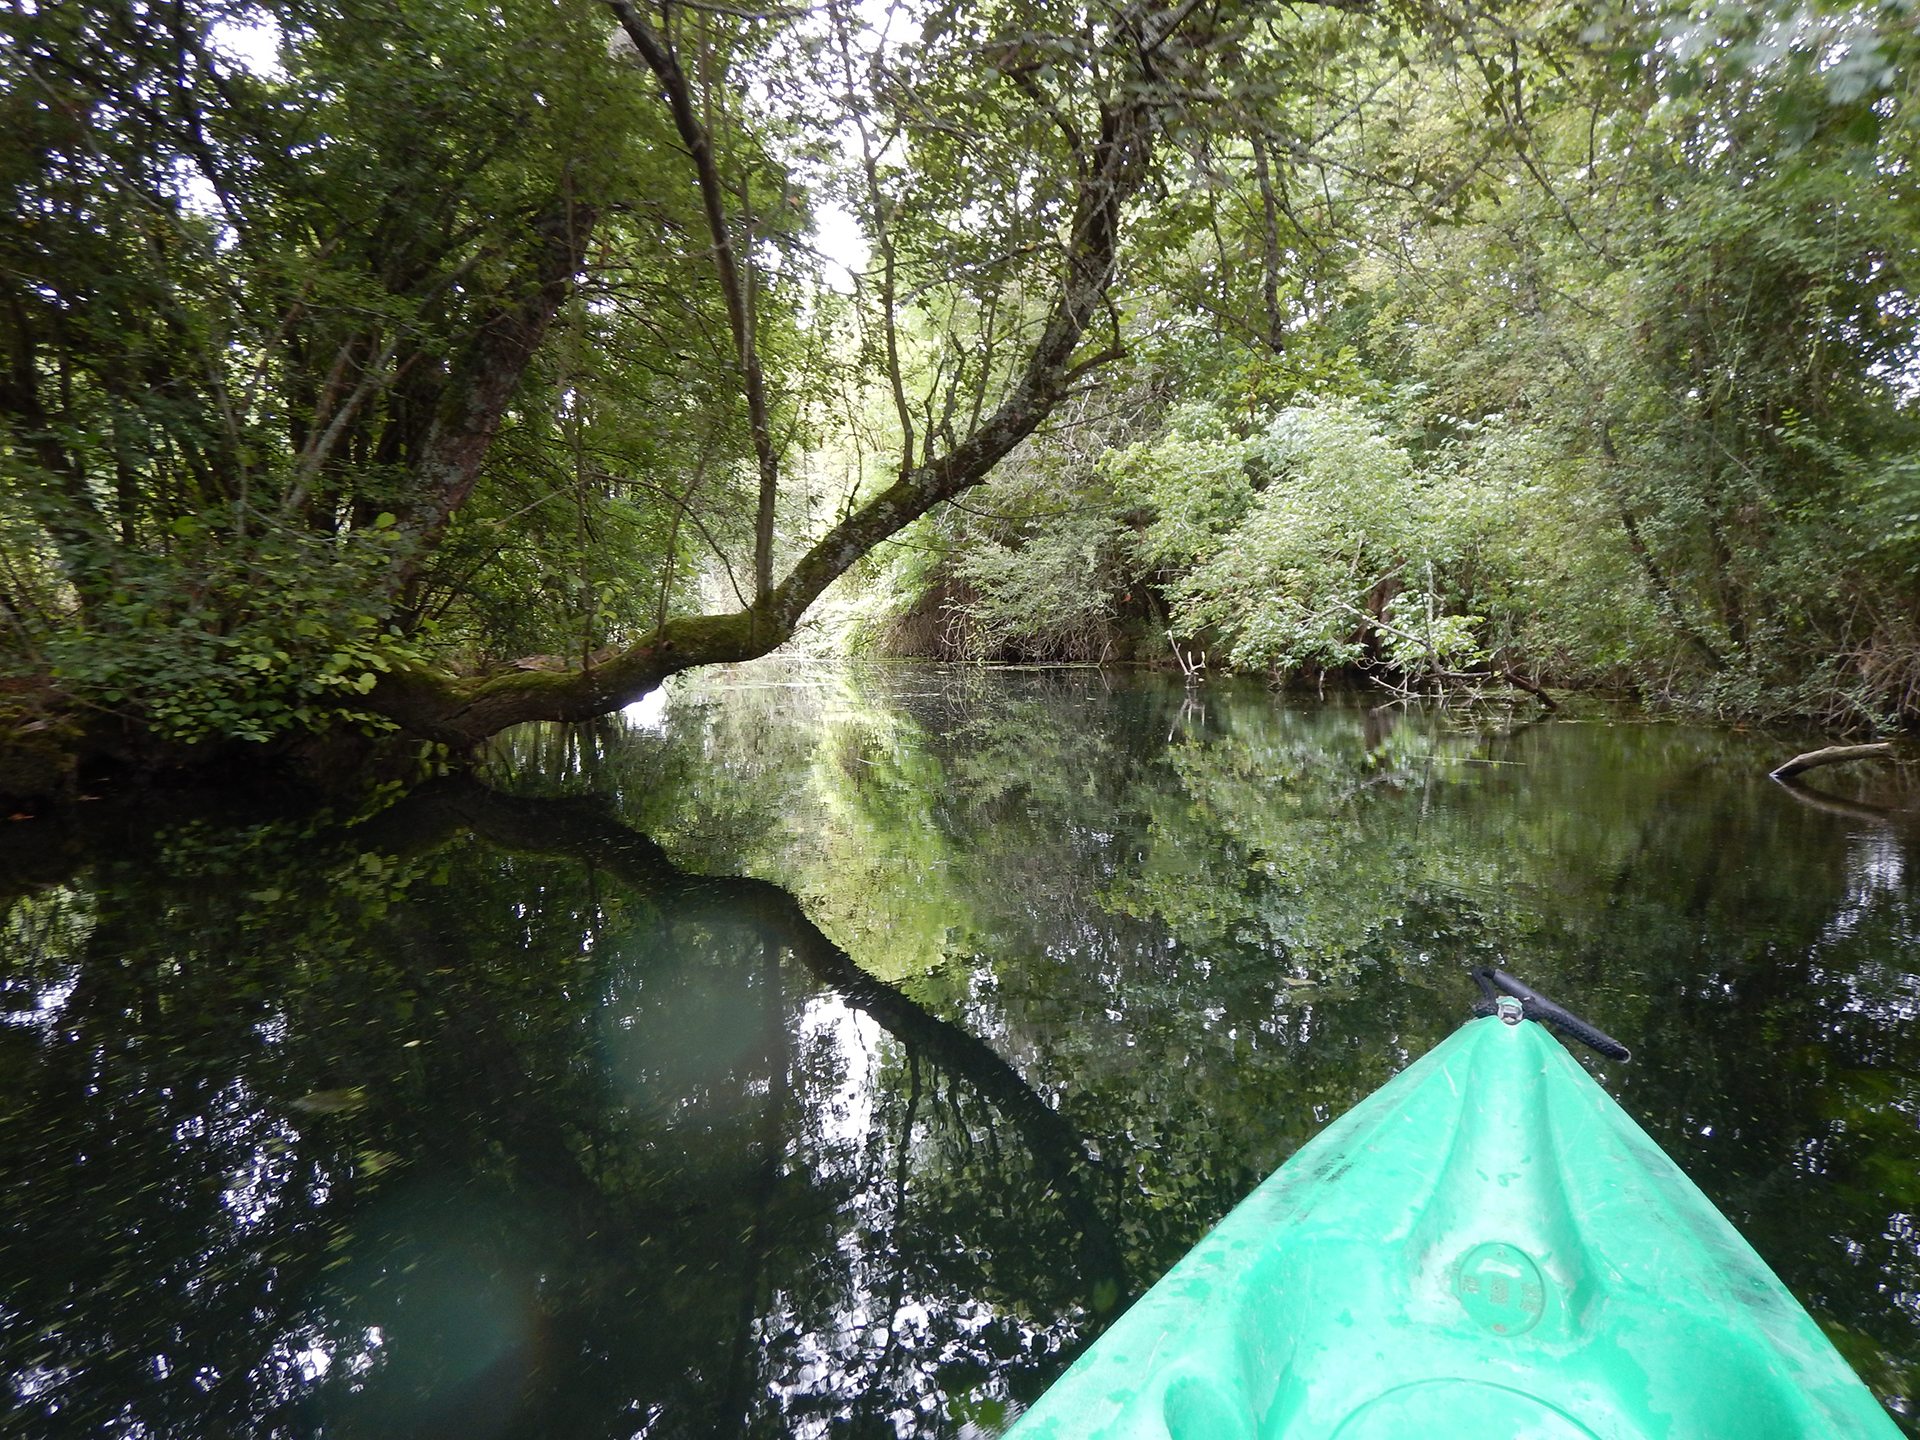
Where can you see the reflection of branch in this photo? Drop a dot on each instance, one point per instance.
(41, 854)
(1506, 737)
(581, 831)
(1835, 804)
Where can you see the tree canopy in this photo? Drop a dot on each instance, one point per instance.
(465, 365)
(1572, 345)
(439, 367)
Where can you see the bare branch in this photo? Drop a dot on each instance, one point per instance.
(661, 59)
(883, 239)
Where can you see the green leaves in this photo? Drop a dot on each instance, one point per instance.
(260, 290)
(1347, 553)
(265, 635)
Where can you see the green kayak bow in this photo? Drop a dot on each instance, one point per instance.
(1486, 1247)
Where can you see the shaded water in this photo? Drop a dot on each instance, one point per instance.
(498, 1114)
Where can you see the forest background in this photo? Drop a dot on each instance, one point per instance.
(422, 368)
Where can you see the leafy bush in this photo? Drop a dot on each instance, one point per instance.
(260, 636)
(1050, 595)
(1321, 542)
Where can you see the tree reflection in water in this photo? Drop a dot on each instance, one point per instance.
(535, 1136)
(485, 1116)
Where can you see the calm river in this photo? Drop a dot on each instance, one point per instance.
(826, 1052)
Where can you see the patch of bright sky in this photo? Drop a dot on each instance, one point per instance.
(841, 242)
(854, 1039)
(649, 712)
(252, 43)
(838, 238)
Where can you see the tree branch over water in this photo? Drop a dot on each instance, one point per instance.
(1144, 87)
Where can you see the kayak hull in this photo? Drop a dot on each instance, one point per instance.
(1486, 1247)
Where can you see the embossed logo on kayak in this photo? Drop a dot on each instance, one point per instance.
(1501, 1288)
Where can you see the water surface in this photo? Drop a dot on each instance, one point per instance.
(825, 1052)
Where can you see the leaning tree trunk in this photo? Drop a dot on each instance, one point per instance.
(1112, 166)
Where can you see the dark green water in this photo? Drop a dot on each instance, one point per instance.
(489, 1115)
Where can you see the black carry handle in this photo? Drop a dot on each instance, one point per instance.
(1536, 1006)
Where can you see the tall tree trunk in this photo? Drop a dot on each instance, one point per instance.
(474, 400)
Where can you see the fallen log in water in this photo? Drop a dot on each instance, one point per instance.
(1832, 755)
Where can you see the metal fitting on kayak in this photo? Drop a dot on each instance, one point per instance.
(1499, 990)
(1510, 1009)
